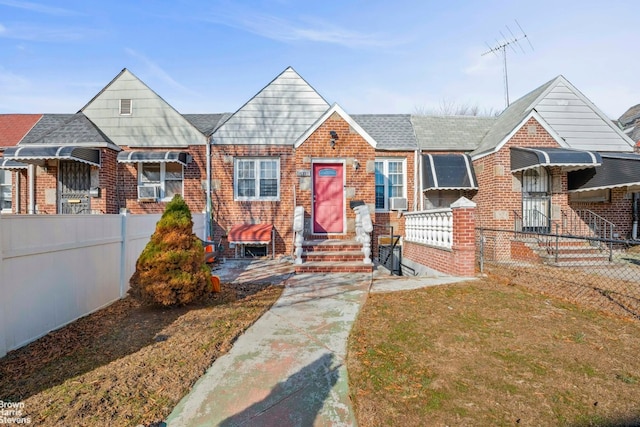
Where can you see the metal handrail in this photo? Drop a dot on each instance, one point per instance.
(584, 222)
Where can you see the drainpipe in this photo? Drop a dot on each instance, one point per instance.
(634, 228)
(32, 193)
(208, 226)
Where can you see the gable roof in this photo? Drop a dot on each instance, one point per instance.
(390, 131)
(336, 109)
(565, 112)
(66, 129)
(451, 133)
(153, 122)
(13, 127)
(278, 114)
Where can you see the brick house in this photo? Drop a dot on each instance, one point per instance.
(549, 157)
(126, 149)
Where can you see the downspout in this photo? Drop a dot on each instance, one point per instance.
(418, 179)
(208, 226)
(32, 193)
(634, 228)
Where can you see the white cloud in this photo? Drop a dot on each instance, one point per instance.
(39, 8)
(44, 34)
(314, 30)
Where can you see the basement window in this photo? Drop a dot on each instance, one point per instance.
(125, 107)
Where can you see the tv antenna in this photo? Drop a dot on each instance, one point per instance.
(501, 46)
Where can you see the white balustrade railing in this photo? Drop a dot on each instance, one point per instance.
(433, 227)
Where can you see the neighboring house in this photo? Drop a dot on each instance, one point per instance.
(553, 158)
(126, 149)
(13, 128)
(630, 123)
(546, 160)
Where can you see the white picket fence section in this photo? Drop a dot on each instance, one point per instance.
(55, 269)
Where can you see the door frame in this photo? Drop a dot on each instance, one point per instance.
(342, 163)
(541, 198)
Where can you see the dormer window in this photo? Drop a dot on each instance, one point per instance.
(125, 107)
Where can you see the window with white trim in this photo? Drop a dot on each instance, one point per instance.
(390, 181)
(166, 176)
(5, 190)
(257, 179)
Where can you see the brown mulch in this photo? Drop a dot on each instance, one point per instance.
(127, 364)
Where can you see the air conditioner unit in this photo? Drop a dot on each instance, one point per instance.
(147, 192)
(397, 203)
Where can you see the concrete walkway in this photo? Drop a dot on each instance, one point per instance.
(288, 369)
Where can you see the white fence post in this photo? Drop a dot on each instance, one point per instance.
(123, 253)
(3, 301)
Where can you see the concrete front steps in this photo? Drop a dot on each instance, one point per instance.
(332, 256)
(572, 253)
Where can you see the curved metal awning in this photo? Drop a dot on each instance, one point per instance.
(523, 158)
(151, 156)
(12, 164)
(37, 154)
(448, 172)
(617, 170)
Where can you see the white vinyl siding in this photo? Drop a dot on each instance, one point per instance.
(167, 176)
(390, 181)
(257, 179)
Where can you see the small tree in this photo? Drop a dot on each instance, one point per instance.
(171, 268)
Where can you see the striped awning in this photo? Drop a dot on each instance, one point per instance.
(37, 154)
(523, 158)
(617, 170)
(12, 164)
(448, 172)
(152, 156)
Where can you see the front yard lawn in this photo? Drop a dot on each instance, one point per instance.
(127, 365)
(484, 353)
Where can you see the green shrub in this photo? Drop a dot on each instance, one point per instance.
(171, 269)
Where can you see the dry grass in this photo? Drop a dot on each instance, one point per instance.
(485, 353)
(127, 364)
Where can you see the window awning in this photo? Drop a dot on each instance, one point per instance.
(37, 154)
(252, 234)
(448, 172)
(12, 164)
(617, 170)
(523, 158)
(149, 156)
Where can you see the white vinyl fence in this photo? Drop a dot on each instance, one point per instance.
(55, 269)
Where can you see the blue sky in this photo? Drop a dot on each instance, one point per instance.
(396, 56)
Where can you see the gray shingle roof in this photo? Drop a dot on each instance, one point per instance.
(451, 133)
(64, 129)
(391, 131)
(46, 124)
(207, 123)
(510, 118)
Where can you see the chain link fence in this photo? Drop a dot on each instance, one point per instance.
(597, 273)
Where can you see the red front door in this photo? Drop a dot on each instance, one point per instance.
(328, 199)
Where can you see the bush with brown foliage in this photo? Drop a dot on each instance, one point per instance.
(171, 268)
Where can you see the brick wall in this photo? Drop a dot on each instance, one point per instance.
(227, 212)
(457, 261)
(126, 191)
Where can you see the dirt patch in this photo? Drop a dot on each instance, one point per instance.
(489, 353)
(127, 364)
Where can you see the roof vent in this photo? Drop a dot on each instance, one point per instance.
(125, 107)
